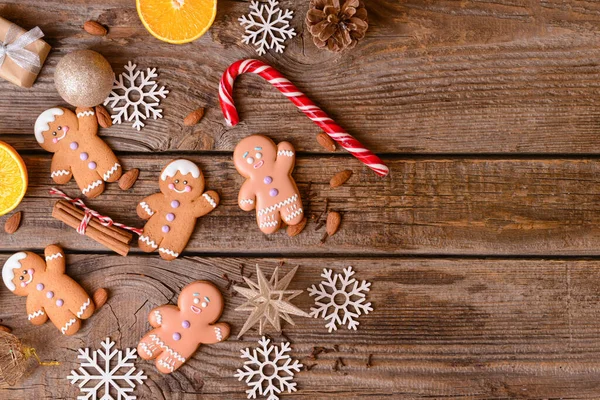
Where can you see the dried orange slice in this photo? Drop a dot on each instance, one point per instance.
(13, 178)
(177, 21)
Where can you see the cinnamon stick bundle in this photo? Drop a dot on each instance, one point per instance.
(112, 237)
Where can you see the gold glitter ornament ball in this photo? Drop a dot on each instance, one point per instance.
(84, 78)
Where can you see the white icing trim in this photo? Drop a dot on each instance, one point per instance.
(246, 201)
(53, 256)
(144, 347)
(158, 317)
(42, 124)
(218, 333)
(184, 167)
(83, 307)
(169, 252)
(287, 153)
(88, 113)
(164, 364)
(36, 314)
(293, 215)
(10, 265)
(146, 208)
(60, 172)
(210, 200)
(92, 186)
(268, 224)
(163, 346)
(149, 242)
(65, 328)
(111, 171)
(278, 205)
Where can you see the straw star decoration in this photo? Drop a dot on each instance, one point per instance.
(269, 300)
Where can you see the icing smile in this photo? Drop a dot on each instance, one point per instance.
(196, 310)
(30, 272)
(58, 139)
(181, 191)
(259, 164)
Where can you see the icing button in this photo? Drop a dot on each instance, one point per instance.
(174, 204)
(74, 145)
(50, 294)
(185, 324)
(268, 180)
(170, 217)
(273, 192)
(166, 229)
(40, 286)
(176, 336)
(84, 156)
(60, 302)
(92, 165)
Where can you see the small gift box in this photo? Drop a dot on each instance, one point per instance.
(22, 53)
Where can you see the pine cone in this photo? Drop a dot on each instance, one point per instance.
(337, 28)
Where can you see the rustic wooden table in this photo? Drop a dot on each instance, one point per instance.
(481, 246)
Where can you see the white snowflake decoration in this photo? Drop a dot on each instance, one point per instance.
(349, 293)
(107, 372)
(269, 370)
(267, 26)
(137, 91)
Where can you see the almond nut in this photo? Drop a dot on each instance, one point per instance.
(325, 141)
(100, 297)
(128, 179)
(95, 28)
(5, 329)
(333, 222)
(12, 224)
(194, 117)
(103, 117)
(293, 230)
(340, 178)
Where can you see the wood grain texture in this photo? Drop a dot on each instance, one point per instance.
(430, 77)
(428, 206)
(441, 328)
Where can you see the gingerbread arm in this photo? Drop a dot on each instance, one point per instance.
(61, 171)
(218, 333)
(88, 123)
(286, 156)
(147, 207)
(55, 259)
(162, 313)
(35, 311)
(206, 203)
(247, 196)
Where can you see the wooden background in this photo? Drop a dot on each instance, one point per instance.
(482, 245)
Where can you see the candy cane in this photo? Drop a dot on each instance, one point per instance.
(303, 103)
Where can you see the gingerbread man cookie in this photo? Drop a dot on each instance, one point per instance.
(172, 213)
(78, 151)
(50, 292)
(180, 330)
(269, 186)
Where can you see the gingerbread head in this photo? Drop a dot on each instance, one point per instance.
(254, 153)
(181, 180)
(56, 128)
(21, 271)
(201, 301)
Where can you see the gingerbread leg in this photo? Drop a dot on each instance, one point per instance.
(269, 223)
(149, 347)
(148, 241)
(110, 169)
(168, 362)
(65, 321)
(82, 306)
(90, 183)
(292, 214)
(171, 247)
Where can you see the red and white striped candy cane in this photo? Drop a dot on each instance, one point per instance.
(305, 105)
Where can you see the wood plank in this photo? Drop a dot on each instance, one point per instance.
(428, 206)
(451, 328)
(431, 77)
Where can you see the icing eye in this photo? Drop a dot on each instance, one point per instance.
(196, 300)
(176, 180)
(24, 272)
(60, 128)
(204, 304)
(21, 278)
(250, 160)
(53, 133)
(258, 148)
(258, 156)
(185, 182)
(245, 154)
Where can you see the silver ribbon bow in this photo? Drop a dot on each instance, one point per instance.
(14, 45)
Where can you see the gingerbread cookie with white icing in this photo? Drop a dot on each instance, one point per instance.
(269, 185)
(172, 213)
(50, 292)
(78, 151)
(180, 330)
